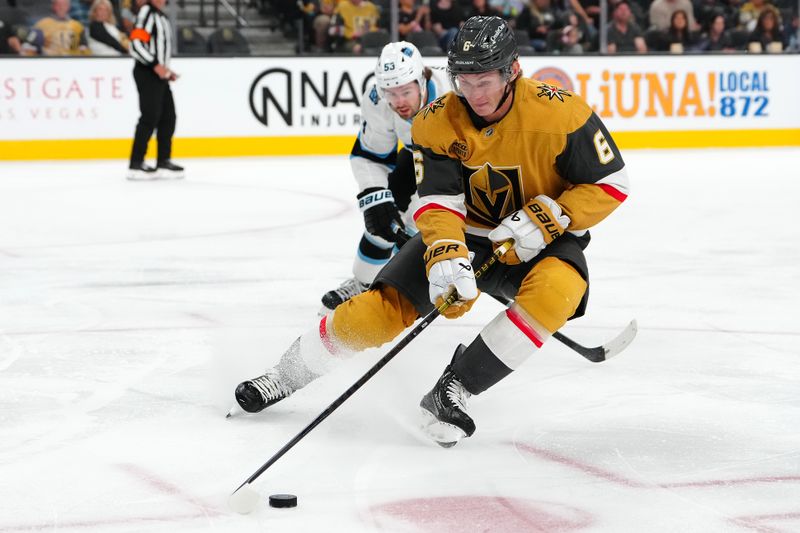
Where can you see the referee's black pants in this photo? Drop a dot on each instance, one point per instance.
(157, 113)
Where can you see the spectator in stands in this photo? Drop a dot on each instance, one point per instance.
(573, 14)
(592, 10)
(767, 35)
(792, 34)
(716, 38)
(705, 11)
(79, 10)
(570, 42)
(321, 16)
(507, 9)
(539, 19)
(9, 42)
(679, 37)
(585, 23)
(289, 12)
(624, 35)
(446, 18)
(127, 13)
(661, 13)
(105, 39)
(751, 11)
(62, 36)
(411, 19)
(480, 8)
(352, 19)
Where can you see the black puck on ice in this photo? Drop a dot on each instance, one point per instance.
(283, 501)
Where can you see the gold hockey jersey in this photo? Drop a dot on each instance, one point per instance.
(357, 19)
(62, 37)
(471, 175)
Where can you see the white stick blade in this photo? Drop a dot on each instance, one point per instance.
(621, 341)
(244, 500)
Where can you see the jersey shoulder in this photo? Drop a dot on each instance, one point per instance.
(432, 127)
(556, 110)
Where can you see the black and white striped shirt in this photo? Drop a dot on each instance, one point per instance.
(151, 38)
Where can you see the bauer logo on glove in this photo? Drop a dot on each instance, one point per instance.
(549, 227)
(375, 197)
(542, 223)
(447, 264)
(444, 251)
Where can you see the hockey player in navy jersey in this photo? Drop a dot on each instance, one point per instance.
(385, 177)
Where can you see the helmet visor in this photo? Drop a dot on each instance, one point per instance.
(468, 85)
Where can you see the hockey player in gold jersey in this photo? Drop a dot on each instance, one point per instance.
(500, 158)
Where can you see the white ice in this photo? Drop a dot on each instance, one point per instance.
(129, 311)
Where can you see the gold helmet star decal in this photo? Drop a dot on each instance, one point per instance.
(551, 91)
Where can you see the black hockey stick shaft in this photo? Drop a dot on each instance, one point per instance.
(419, 328)
(350, 391)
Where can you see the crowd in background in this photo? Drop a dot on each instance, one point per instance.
(72, 27)
(102, 27)
(565, 26)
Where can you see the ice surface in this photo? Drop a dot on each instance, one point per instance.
(129, 311)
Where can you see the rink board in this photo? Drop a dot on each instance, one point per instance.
(65, 108)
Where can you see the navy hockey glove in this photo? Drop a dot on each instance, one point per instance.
(381, 216)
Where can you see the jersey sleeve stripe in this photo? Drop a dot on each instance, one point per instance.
(432, 206)
(616, 184)
(359, 150)
(614, 193)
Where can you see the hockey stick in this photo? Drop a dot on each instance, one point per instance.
(598, 354)
(244, 499)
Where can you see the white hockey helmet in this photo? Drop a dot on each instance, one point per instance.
(400, 63)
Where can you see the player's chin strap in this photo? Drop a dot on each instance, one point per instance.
(423, 93)
(509, 90)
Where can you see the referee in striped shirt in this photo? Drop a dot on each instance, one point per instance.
(151, 47)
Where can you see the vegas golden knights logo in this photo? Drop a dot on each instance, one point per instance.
(492, 193)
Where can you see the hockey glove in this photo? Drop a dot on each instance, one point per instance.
(447, 265)
(381, 216)
(533, 227)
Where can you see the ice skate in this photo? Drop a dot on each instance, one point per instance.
(279, 382)
(168, 170)
(255, 395)
(336, 297)
(141, 172)
(445, 419)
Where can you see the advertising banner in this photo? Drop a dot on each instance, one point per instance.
(88, 107)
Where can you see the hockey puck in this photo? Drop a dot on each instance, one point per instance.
(283, 501)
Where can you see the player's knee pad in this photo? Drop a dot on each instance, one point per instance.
(372, 318)
(551, 292)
